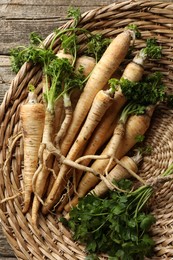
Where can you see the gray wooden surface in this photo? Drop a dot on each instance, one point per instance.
(17, 19)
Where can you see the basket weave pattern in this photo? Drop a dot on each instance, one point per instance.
(154, 19)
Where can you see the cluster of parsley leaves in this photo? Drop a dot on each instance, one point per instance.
(149, 91)
(36, 51)
(59, 72)
(116, 225)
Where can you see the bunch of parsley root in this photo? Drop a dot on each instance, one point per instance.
(87, 136)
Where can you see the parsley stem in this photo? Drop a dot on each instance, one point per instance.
(65, 31)
(95, 230)
(169, 170)
(144, 196)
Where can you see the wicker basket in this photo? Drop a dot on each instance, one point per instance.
(154, 19)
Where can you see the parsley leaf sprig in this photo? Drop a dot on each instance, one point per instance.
(116, 225)
(149, 91)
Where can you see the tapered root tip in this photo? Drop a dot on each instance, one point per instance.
(45, 210)
(71, 204)
(36, 228)
(27, 200)
(67, 216)
(25, 209)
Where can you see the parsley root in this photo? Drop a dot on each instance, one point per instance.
(86, 64)
(117, 173)
(100, 104)
(136, 125)
(101, 73)
(32, 115)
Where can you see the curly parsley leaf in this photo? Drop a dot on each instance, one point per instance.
(152, 50)
(75, 14)
(97, 45)
(115, 225)
(149, 91)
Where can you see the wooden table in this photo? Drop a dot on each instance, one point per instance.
(18, 19)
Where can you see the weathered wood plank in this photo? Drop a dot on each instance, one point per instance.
(7, 257)
(6, 75)
(19, 18)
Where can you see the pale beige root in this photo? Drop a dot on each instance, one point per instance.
(116, 141)
(116, 174)
(101, 73)
(66, 197)
(40, 188)
(59, 137)
(59, 114)
(59, 106)
(102, 101)
(103, 132)
(62, 55)
(133, 72)
(45, 82)
(85, 63)
(67, 107)
(53, 198)
(40, 179)
(32, 117)
(63, 117)
(66, 122)
(136, 125)
(49, 127)
(99, 136)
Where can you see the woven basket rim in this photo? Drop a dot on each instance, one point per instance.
(55, 241)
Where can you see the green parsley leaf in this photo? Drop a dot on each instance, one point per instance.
(115, 225)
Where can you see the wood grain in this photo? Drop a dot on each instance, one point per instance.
(18, 18)
(21, 17)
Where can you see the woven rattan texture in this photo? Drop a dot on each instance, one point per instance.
(154, 19)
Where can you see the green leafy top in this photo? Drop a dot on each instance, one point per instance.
(152, 50)
(148, 91)
(135, 29)
(75, 14)
(35, 38)
(116, 225)
(68, 42)
(97, 45)
(35, 52)
(131, 108)
(60, 72)
(63, 80)
(31, 88)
